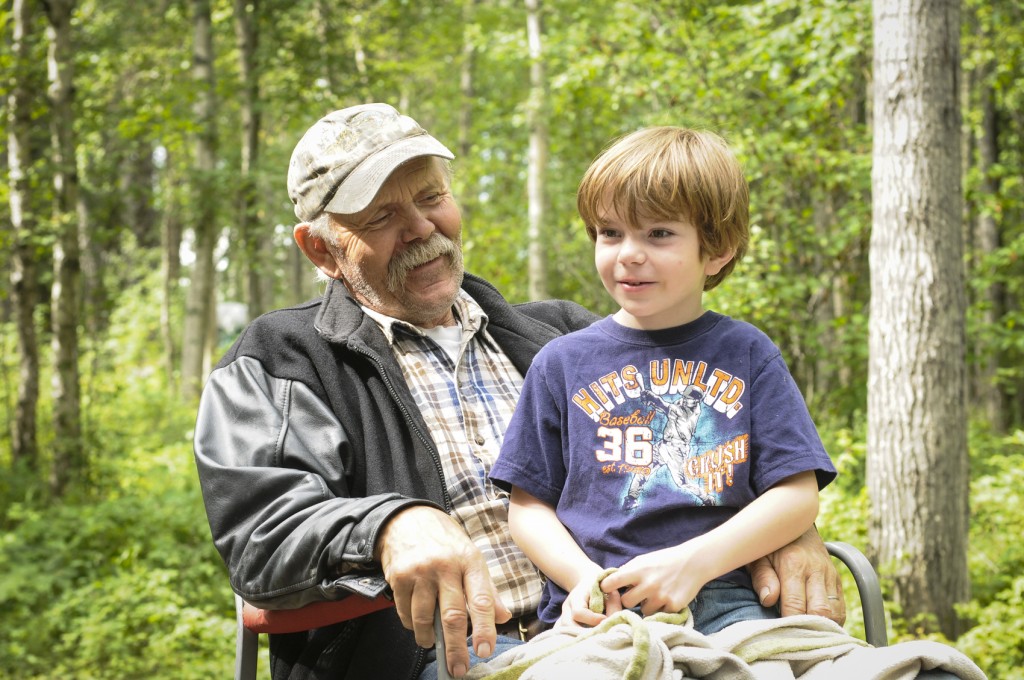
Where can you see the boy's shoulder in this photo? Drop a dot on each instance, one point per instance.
(731, 325)
(569, 342)
(742, 339)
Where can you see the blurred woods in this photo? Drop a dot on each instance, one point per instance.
(144, 220)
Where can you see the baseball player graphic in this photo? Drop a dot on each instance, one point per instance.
(674, 448)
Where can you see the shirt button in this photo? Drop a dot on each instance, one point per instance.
(480, 440)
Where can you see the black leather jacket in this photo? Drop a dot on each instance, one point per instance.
(307, 441)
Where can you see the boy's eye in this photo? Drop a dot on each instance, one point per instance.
(660, 233)
(607, 232)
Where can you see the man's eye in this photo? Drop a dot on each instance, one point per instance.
(378, 221)
(432, 199)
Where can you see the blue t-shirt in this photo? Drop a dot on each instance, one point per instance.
(642, 440)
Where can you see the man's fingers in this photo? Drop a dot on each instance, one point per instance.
(484, 609)
(453, 625)
(766, 581)
(424, 601)
(794, 597)
(817, 596)
(402, 595)
(836, 601)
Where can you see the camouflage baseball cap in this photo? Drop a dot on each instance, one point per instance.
(341, 162)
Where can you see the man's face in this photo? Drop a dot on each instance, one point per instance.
(402, 254)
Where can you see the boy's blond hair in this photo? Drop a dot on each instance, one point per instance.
(675, 174)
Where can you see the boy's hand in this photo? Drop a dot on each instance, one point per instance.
(661, 581)
(577, 610)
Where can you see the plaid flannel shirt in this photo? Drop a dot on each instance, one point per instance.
(467, 405)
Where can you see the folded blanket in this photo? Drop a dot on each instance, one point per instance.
(626, 646)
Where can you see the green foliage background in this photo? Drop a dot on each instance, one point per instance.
(119, 579)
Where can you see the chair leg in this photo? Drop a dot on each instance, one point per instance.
(246, 646)
(442, 664)
(869, 588)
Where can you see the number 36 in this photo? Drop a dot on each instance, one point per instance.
(637, 440)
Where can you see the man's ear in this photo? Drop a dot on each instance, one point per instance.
(316, 250)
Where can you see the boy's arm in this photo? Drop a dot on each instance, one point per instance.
(668, 579)
(549, 545)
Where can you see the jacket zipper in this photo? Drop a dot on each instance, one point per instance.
(435, 457)
(421, 654)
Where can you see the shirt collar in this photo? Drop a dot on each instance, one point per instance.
(466, 310)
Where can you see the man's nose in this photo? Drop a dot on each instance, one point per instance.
(417, 225)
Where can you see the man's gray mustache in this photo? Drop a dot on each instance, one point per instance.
(421, 253)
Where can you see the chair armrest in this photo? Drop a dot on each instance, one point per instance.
(315, 615)
(869, 588)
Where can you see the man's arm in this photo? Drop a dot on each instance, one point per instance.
(802, 578)
(270, 459)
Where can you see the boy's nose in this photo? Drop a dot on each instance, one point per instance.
(631, 251)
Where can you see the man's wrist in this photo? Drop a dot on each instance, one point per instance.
(391, 512)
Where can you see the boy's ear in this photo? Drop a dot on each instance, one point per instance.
(715, 264)
(316, 250)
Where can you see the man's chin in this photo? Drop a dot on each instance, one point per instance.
(434, 303)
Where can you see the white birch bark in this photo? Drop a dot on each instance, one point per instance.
(917, 418)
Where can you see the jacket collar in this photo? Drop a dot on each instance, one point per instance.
(340, 316)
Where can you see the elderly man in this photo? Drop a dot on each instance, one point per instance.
(352, 436)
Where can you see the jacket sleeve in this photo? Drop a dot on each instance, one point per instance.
(273, 464)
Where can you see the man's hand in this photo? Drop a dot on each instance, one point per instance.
(430, 562)
(806, 577)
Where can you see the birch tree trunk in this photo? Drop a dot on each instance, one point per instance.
(170, 266)
(917, 419)
(257, 281)
(987, 242)
(323, 20)
(200, 306)
(68, 452)
(467, 202)
(24, 265)
(536, 183)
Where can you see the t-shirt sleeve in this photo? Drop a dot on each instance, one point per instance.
(531, 456)
(784, 439)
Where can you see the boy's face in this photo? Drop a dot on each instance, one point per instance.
(656, 273)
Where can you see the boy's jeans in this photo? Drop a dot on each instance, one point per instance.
(720, 603)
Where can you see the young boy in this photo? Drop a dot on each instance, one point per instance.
(665, 440)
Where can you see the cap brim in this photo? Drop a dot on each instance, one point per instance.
(362, 184)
